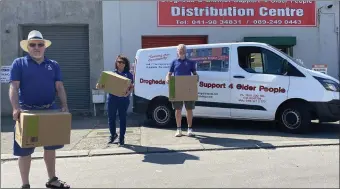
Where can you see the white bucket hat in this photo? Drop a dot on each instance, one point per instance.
(34, 35)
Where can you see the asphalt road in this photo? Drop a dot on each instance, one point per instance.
(280, 167)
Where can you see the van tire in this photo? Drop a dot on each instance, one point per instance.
(161, 114)
(294, 118)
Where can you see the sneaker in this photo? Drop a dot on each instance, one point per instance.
(178, 133)
(112, 138)
(121, 141)
(56, 183)
(190, 133)
(26, 186)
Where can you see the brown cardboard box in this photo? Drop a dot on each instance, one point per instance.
(43, 128)
(183, 88)
(114, 83)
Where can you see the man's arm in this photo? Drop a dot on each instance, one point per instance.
(193, 69)
(61, 93)
(15, 78)
(171, 70)
(60, 88)
(14, 94)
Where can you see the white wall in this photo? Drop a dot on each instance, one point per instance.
(126, 21)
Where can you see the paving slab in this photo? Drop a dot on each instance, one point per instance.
(90, 136)
(116, 151)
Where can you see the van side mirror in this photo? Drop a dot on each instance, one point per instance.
(299, 61)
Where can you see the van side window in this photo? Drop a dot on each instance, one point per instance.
(210, 59)
(261, 60)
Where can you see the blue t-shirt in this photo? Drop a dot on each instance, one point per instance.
(182, 67)
(37, 81)
(124, 74)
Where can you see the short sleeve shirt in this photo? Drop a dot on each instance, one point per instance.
(182, 67)
(37, 81)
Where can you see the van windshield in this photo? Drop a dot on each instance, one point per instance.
(289, 57)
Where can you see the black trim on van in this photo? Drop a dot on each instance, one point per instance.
(293, 71)
(328, 111)
(229, 105)
(140, 105)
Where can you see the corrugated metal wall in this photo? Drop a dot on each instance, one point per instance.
(70, 48)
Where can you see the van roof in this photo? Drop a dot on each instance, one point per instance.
(205, 45)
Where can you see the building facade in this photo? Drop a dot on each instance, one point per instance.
(75, 29)
(88, 35)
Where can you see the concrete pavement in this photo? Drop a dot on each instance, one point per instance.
(89, 137)
(305, 167)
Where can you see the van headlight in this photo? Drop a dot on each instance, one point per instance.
(329, 85)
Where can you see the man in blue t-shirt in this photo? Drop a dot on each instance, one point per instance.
(34, 82)
(182, 66)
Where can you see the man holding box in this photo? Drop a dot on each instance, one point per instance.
(181, 67)
(34, 82)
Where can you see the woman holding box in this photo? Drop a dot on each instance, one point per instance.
(120, 104)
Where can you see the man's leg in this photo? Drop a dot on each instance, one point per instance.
(49, 157)
(178, 105)
(50, 161)
(24, 161)
(24, 167)
(189, 106)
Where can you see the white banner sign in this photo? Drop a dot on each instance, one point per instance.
(5, 72)
(320, 68)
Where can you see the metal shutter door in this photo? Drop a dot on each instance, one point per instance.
(161, 41)
(70, 48)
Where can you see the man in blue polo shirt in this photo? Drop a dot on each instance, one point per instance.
(182, 66)
(34, 82)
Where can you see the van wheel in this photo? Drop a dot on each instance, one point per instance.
(161, 114)
(294, 118)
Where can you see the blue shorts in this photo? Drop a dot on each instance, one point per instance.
(18, 151)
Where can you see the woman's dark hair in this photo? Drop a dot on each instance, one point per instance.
(126, 61)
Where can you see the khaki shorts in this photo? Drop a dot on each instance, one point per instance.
(178, 105)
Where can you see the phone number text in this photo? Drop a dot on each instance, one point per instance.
(240, 22)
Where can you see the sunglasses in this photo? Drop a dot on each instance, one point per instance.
(36, 44)
(120, 62)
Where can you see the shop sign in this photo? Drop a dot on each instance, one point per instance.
(320, 68)
(5, 74)
(270, 13)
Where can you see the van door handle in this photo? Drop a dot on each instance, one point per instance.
(238, 76)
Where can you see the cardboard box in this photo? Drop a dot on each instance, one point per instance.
(183, 88)
(114, 83)
(43, 128)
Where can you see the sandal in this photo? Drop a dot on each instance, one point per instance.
(56, 183)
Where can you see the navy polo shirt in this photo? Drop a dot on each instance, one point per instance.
(126, 74)
(37, 81)
(182, 67)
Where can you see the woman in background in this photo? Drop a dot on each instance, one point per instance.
(120, 104)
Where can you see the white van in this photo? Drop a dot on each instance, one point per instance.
(253, 81)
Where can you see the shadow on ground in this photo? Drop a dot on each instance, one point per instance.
(163, 158)
(261, 128)
(181, 157)
(233, 142)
